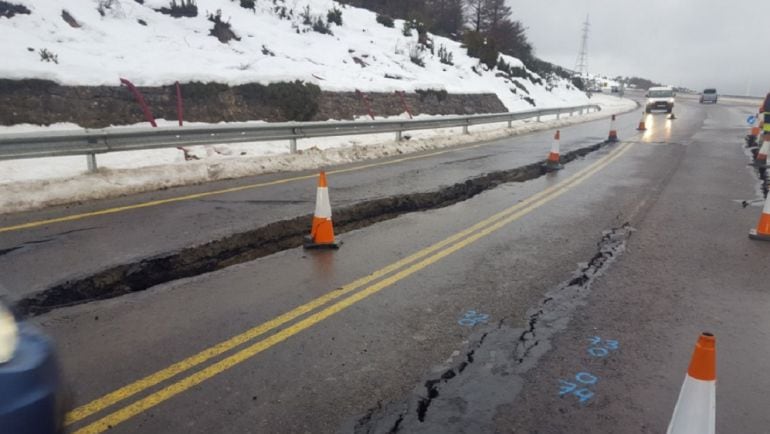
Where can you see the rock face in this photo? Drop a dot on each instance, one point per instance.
(45, 102)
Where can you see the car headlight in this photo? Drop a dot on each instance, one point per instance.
(671, 100)
(9, 334)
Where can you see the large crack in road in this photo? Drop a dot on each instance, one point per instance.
(467, 394)
(271, 238)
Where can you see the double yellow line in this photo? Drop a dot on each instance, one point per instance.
(389, 275)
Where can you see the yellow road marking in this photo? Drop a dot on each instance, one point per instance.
(201, 357)
(186, 383)
(119, 209)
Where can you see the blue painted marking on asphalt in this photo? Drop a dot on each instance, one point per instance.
(566, 387)
(471, 318)
(602, 347)
(583, 383)
(598, 351)
(583, 394)
(586, 378)
(751, 119)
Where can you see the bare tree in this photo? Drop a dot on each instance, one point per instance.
(494, 13)
(476, 14)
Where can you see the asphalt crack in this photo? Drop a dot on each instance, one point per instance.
(752, 147)
(466, 396)
(271, 238)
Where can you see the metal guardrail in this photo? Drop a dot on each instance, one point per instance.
(92, 142)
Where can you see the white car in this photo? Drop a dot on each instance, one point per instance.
(660, 98)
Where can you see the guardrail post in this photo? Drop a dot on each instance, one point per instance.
(538, 117)
(558, 115)
(91, 160)
(293, 142)
(465, 127)
(398, 135)
(509, 123)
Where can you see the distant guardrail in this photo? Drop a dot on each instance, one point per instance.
(743, 97)
(99, 141)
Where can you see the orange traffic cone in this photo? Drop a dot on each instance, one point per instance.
(695, 410)
(642, 127)
(554, 160)
(613, 137)
(322, 231)
(762, 232)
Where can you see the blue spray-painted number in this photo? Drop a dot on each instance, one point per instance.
(471, 318)
(751, 119)
(602, 347)
(583, 393)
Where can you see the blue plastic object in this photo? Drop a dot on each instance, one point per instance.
(31, 391)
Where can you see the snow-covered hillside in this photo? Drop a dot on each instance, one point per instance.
(97, 41)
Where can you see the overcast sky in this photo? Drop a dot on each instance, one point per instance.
(691, 43)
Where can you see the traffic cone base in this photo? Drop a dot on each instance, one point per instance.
(695, 409)
(322, 229)
(613, 136)
(762, 231)
(310, 245)
(553, 162)
(641, 127)
(757, 236)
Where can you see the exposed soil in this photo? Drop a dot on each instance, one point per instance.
(263, 241)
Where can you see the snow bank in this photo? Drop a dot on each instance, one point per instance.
(37, 183)
(361, 54)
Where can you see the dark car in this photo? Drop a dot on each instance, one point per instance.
(708, 96)
(32, 398)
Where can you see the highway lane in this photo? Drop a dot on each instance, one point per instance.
(125, 237)
(204, 367)
(375, 350)
(691, 268)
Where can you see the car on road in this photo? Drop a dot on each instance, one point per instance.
(708, 96)
(32, 397)
(660, 98)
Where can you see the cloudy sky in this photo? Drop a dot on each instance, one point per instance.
(692, 43)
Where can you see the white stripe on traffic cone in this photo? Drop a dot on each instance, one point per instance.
(695, 410)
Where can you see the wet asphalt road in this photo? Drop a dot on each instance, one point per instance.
(123, 238)
(362, 364)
